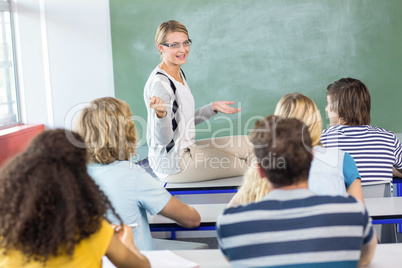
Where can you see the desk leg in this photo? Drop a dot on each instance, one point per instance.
(399, 193)
(173, 235)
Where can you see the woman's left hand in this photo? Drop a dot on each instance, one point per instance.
(223, 107)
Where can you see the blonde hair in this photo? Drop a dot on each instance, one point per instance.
(166, 27)
(253, 187)
(301, 107)
(108, 130)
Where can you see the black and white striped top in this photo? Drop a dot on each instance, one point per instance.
(375, 150)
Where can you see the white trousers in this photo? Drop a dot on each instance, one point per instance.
(216, 158)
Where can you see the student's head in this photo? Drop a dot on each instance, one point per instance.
(48, 202)
(108, 130)
(283, 149)
(349, 102)
(301, 107)
(169, 27)
(253, 188)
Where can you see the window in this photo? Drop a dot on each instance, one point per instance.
(9, 111)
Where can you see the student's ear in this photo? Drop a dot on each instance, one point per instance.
(261, 171)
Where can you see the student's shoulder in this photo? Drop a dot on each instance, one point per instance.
(345, 202)
(333, 199)
(238, 209)
(381, 131)
(123, 169)
(333, 129)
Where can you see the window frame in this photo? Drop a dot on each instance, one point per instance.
(5, 6)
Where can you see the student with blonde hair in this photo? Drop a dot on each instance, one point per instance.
(174, 154)
(332, 170)
(253, 188)
(109, 133)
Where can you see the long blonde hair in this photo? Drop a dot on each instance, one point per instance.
(108, 130)
(253, 187)
(301, 107)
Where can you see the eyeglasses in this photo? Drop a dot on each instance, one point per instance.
(178, 44)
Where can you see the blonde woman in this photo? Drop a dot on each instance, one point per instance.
(332, 170)
(110, 136)
(174, 154)
(253, 188)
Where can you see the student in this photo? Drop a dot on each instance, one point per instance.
(375, 150)
(52, 212)
(174, 155)
(252, 189)
(109, 133)
(292, 225)
(332, 170)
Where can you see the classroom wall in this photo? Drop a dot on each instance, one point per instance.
(64, 57)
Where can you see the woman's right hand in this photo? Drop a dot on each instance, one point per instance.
(158, 105)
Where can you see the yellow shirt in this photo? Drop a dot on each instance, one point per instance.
(88, 253)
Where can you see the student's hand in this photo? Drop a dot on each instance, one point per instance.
(159, 106)
(125, 234)
(223, 107)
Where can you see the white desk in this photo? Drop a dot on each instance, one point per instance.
(222, 183)
(225, 185)
(207, 258)
(386, 256)
(385, 209)
(211, 258)
(208, 212)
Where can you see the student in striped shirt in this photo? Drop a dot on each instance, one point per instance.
(293, 226)
(377, 152)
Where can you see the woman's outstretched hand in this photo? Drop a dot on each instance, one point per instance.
(158, 105)
(223, 107)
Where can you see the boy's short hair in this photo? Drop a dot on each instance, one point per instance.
(283, 149)
(351, 100)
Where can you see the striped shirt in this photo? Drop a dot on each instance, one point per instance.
(297, 228)
(375, 150)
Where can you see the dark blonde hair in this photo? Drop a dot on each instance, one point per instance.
(108, 130)
(303, 108)
(351, 100)
(166, 27)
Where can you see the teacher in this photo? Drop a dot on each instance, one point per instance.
(174, 154)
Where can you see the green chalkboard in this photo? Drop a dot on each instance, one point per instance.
(254, 52)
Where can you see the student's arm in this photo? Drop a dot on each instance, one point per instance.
(352, 177)
(397, 168)
(183, 214)
(122, 251)
(367, 252)
(355, 190)
(233, 201)
(397, 172)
